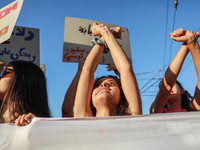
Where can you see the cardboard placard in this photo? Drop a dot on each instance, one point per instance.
(77, 37)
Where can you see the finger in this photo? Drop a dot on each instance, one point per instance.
(83, 59)
(102, 25)
(197, 35)
(173, 34)
(29, 116)
(112, 68)
(110, 65)
(180, 31)
(23, 122)
(117, 72)
(17, 121)
(180, 39)
(95, 23)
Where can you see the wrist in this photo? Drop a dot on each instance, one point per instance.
(100, 42)
(191, 40)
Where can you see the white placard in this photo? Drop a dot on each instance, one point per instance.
(77, 37)
(24, 45)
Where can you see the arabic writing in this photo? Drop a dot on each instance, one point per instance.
(21, 32)
(84, 30)
(4, 31)
(88, 30)
(77, 54)
(16, 56)
(6, 11)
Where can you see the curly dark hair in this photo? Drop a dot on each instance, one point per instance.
(185, 98)
(122, 108)
(27, 92)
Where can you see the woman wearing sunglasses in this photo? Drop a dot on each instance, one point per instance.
(23, 93)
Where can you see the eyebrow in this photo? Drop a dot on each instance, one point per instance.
(98, 82)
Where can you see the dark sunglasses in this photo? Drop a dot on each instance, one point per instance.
(5, 71)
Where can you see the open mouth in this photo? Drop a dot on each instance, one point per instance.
(103, 89)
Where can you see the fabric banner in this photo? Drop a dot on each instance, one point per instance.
(144, 132)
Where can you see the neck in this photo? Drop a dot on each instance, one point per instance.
(174, 104)
(105, 112)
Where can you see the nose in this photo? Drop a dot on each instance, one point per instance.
(104, 84)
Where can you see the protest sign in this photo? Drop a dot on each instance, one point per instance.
(24, 45)
(8, 18)
(77, 37)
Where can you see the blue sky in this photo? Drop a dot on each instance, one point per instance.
(146, 21)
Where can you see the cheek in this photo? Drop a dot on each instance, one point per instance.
(4, 86)
(117, 94)
(93, 96)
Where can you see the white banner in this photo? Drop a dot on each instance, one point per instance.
(172, 131)
(8, 18)
(77, 37)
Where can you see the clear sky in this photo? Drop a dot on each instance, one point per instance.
(147, 21)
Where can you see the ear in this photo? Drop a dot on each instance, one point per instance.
(182, 91)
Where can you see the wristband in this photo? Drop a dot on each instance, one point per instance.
(100, 42)
(192, 41)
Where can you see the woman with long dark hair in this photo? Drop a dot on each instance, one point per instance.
(23, 91)
(171, 96)
(104, 97)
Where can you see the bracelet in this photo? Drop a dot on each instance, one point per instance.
(192, 41)
(100, 42)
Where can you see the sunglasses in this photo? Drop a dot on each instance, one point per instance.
(5, 71)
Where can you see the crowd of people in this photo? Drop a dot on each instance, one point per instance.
(23, 93)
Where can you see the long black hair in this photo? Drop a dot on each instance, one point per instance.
(122, 107)
(28, 92)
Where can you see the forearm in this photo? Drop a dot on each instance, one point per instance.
(174, 68)
(119, 57)
(68, 103)
(195, 51)
(195, 103)
(93, 58)
(161, 99)
(127, 76)
(83, 95)
(86, 82)
(131, 91)
(169, 80)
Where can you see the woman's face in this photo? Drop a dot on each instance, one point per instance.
(6, 81)
(175, 94)
(106, 92)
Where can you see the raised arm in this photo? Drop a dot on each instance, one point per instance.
(68, 103)
(85, 86)
(128, 79)
(194, 48)
(170, 76)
